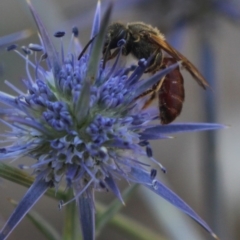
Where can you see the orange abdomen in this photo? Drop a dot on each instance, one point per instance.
(171, 94)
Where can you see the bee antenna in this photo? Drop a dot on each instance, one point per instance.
(86, 47)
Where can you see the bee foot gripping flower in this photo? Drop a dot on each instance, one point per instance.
(81, 122)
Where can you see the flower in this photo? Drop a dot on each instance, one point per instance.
(84, 124)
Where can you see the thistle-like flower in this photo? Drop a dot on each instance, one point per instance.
(85, 125)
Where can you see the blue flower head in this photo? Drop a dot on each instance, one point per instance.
(83, 124)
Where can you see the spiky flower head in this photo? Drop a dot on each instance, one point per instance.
(84, 125)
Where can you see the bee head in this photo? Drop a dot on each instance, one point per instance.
(115, 33)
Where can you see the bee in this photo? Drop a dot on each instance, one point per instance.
(144, 41)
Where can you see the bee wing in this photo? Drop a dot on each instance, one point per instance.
(179, 57)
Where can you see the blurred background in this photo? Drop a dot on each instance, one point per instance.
(202, 168)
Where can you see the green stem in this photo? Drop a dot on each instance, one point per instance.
(70, 224)
(131, 227)
(104, 218)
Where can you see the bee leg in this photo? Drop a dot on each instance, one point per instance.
(114, 54)
(155, 89)
(108, 56)
(156, 65)
(152, 94)
(151, 91)
(149, 101)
